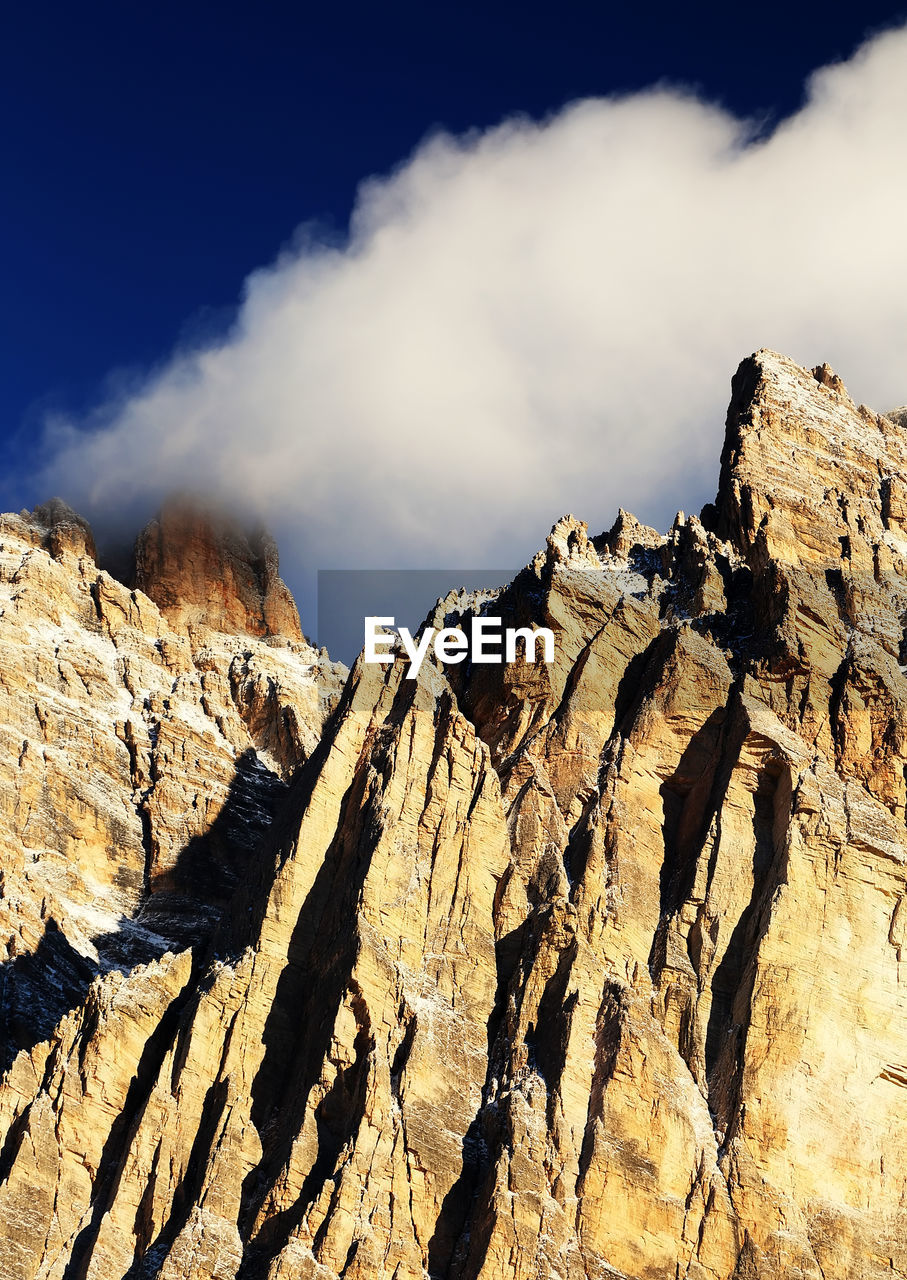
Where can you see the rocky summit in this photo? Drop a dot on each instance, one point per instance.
(588, 969)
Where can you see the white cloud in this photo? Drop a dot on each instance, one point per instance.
(539, 318)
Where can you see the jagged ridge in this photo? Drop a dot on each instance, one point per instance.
(586, 970)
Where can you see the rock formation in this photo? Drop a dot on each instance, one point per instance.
(199, 565)
(140, 763)
(584, 970)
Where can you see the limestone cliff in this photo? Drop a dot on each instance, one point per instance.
(199, 565)
(140, 763)
(582, 970)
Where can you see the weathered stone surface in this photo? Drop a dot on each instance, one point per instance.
(582, 970)
(200, 566)
(140, 765)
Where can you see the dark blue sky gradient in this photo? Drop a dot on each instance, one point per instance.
(155, 153)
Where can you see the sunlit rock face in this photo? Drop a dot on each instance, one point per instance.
(141, 763)
(199, 565)
(584, 969)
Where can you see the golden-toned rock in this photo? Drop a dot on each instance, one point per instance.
(199, 566)
(594, 969)
(141, 765)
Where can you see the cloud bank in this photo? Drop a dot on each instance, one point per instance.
(539, 318)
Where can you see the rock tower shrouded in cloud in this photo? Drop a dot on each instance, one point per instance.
(582, 969)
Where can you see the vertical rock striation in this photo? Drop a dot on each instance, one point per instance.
(140, 766)
(199, 565)
(581, 970)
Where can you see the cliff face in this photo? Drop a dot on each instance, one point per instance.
(583, 970)
(140, 763)
(198, 565)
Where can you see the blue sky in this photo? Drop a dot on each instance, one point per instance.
(567, 294)
(154, 154)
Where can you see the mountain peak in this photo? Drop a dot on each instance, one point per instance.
(820, 475)
(61, 528)
(199, 564)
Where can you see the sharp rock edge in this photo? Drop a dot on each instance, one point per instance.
(582, 970)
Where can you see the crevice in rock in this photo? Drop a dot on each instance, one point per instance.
(124, 1128)
(337, 1118)
(733, 980)
(552, 1028)
(608, 1034)
(691, 798)
(300, 1023)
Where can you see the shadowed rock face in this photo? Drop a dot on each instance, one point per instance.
(198, 565)
(140, 765)
(582, 970)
